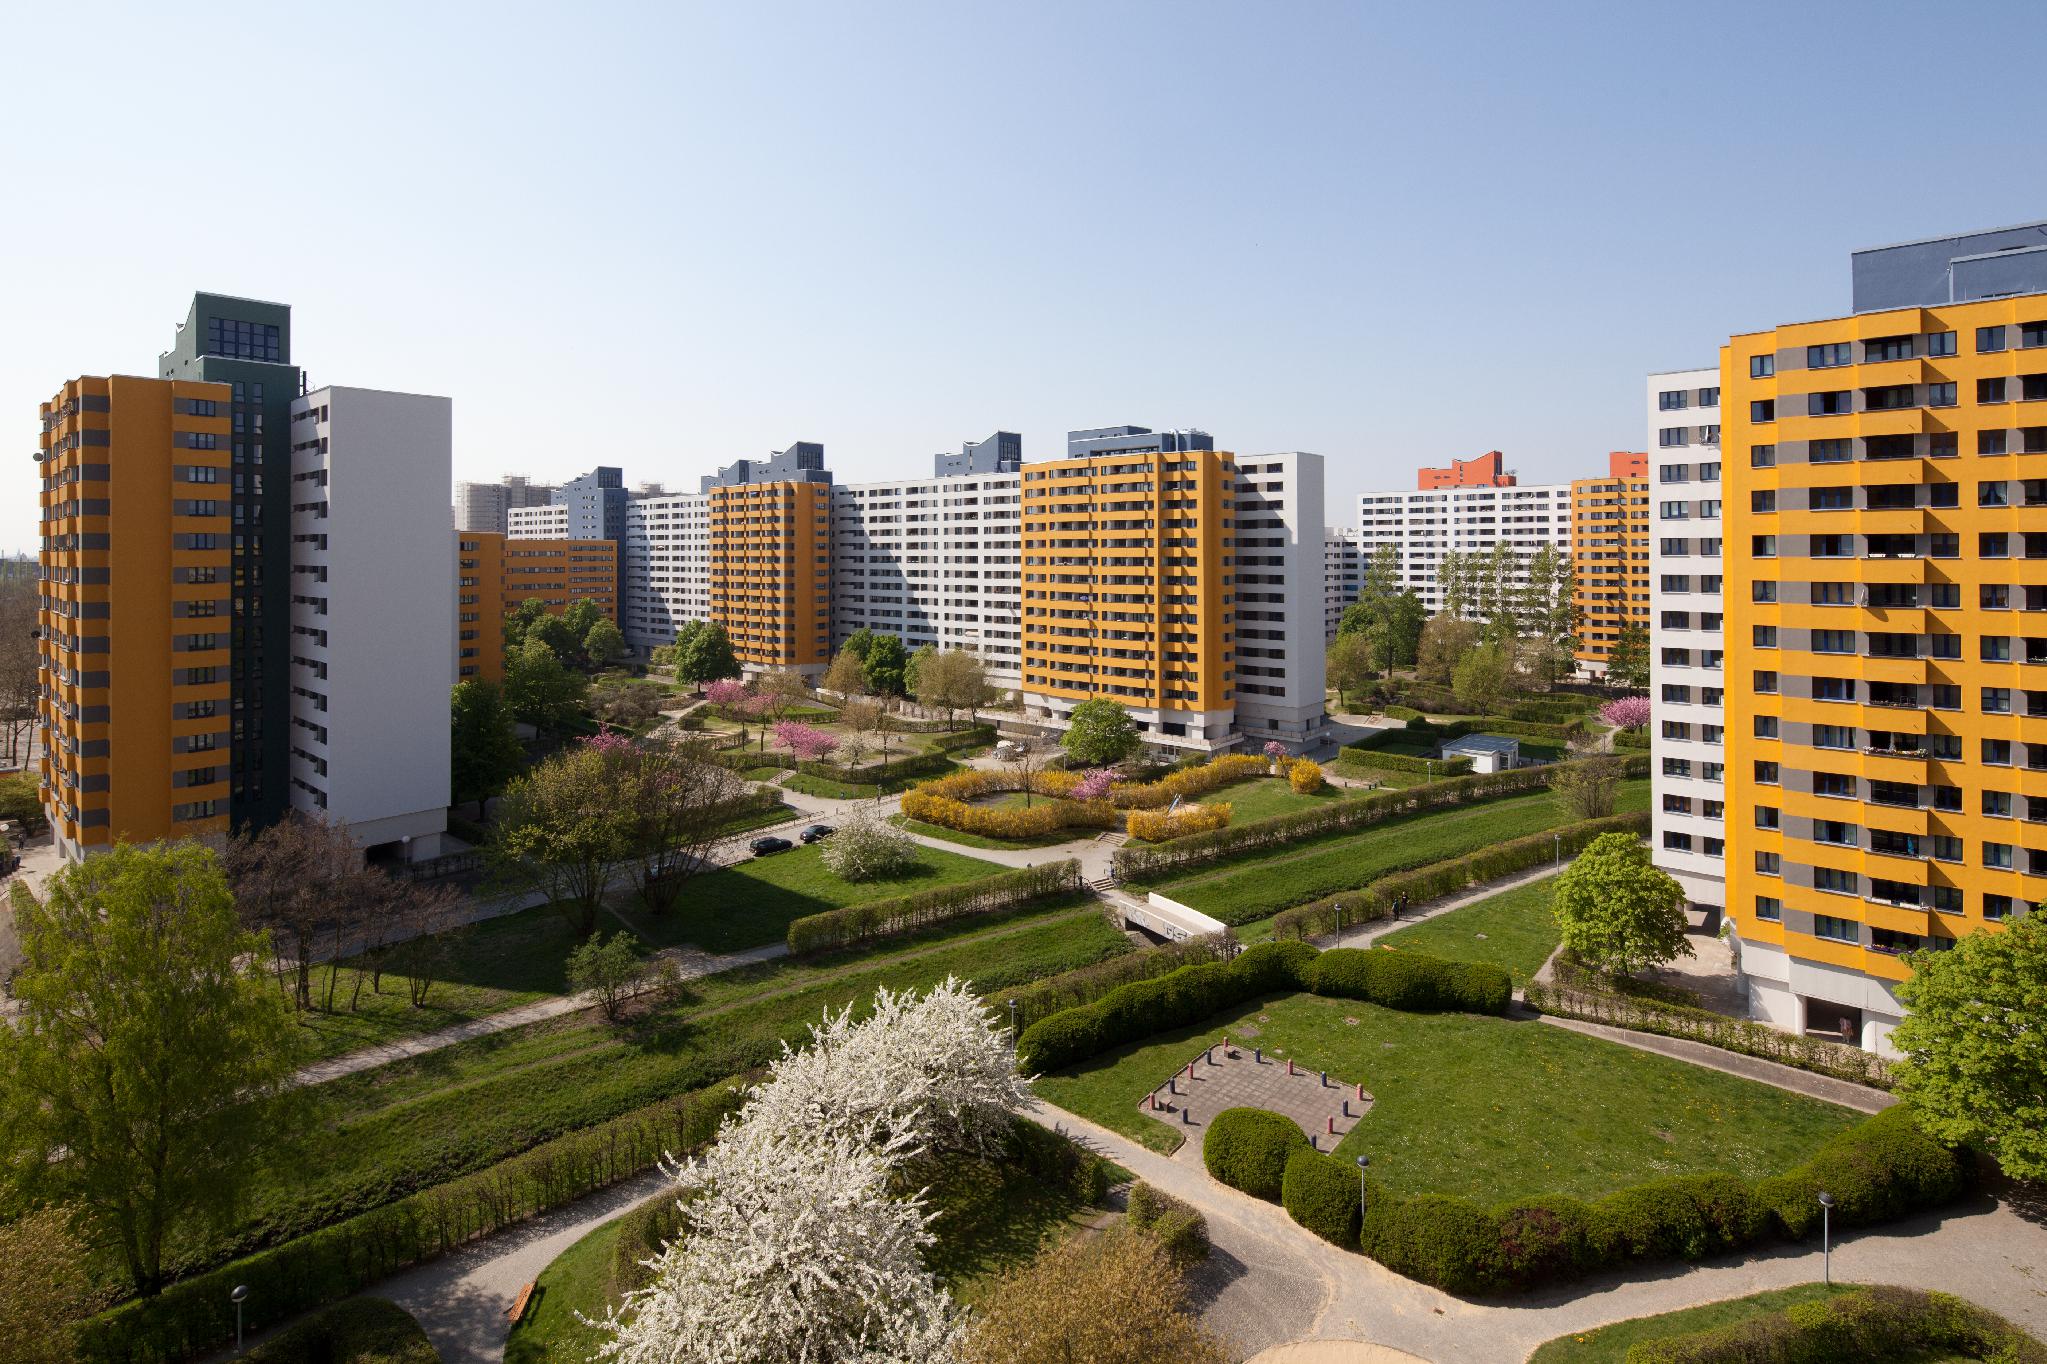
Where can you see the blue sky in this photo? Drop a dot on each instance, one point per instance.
(668, 236)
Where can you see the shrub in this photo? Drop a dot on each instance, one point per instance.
(1682, 1218)
(1633, 738)
(1086, 984)
(1545, 1240)
(359, 1331)
(1305, 776)
(1178, 1228)
(863, 848)
(1877, 1170)
(1445, 1242)
(1411, 981)
(1404, 762)
(1248, 1149)
(1322, 1193)
(836, 928)
(1056, 1161)
(1156, 826)
(194, 1315)
(1873, 1323)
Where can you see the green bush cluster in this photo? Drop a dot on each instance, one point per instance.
(194, 1315)
(1056, 1161)
(1086, 984)
(1402, 712)
(1638, 739)
(1411, 981)
(1323, 1193)
(359, 1331)
(641, 1234)
(1866, 1324)
(1640, 1012)
(1248, 1149)
(1432, 880)
(1559, 709)
(1146, 864)
(1445, 731)
(1192, 993)
(1178, 1228)
(836, 928)
(1878, 1170)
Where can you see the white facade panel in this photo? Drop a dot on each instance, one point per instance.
(1343, 576)
(1281, 673)
(666, 577)
(537, 523)
(1424, 525)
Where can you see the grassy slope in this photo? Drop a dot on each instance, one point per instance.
(1484, 1107)
(550, 1333)
(1264, 797)
(1609, 1344)
(1245, 889)
(1514, 929)
(753, 902)
(386, 1132)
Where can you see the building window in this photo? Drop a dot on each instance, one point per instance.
(1940, 395)
(1669, 436)
(1709, 397)
(1762, 410)
(1671, 400)
(1990, 390)
(1762, 366)
(1835, 929)
(1768, 908)
(1940, 343)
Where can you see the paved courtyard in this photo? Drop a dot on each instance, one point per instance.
(1238, 1075)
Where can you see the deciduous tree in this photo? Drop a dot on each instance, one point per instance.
(1387, 617)
(539, 689)
(484, 750)
(1974, 1046)
(1549, 615)
(608, 968)
(846, 676)
(680, 799)
(1588, 787)
(604, 644)
(913, 670)
(1445, 640)
(1619, 912)
(625, 703)
(952, 681)
(1114, 1298)
(562, 829)
(863, 848)
(704, 655)
(1100, 733)
(142, 1074)
(1627, 663)
(1348, 664)
(1480, 678)
(884, 664)
(20, 677)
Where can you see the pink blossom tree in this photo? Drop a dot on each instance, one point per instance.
(1626, 712)
(726, 691)
(807, 742)
(1274, 751)
(1094, 786)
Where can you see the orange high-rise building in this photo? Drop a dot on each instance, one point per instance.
(1610, 554)
(1486, 471)
(495, 573)
(771, 573)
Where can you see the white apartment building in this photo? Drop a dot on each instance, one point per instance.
(1343, 576)
(546, 521)
(1425, 525)
(933, 561)
(1685, 674)
(372, 614)
(1280, 649)
(666, 575)
(484, 506)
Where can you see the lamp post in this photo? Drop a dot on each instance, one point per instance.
(237, 1297)
(1339, 925)
(1827, 1237)
(1556, 850)
(1012, 1025)
(1364, 1163)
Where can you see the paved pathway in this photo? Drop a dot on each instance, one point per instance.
(1270, 1282)
(1324, 1107)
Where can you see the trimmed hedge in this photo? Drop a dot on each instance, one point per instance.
(1057, 1161)
(359, 1331)
(836, 928)
(1883, 1168)
(194, 1315)
(1405, 762)
(1633, 738)
(1552, 710)
(1340, 816)
(1086, 984)
(1323, 1194)
(1875, 1323)
(1156, 826)
(1402, 713)
(1178, 1228)
(1248, 1149)
(949, 801)
(1409, 980)
(1433, 880)
(1640, 1013)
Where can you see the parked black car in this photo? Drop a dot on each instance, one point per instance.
(816, 832)
(770, 844)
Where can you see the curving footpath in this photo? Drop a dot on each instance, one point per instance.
(1271, 1283)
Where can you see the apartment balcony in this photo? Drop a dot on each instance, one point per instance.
(1907, 869)
(1898, 917)
(1890, 520)
(1889, 764)
(1889, 668)
(1871, 569)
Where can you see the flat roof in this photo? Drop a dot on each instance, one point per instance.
(1948, 237)
(1482, 743)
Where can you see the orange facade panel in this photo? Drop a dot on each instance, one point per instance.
(494, 574)
(1610, 554)
(771, 572)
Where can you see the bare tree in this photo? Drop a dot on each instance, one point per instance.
(18, 665)
(1025, 761)
(680, 797)
(301, 879)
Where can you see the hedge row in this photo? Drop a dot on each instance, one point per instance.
(1156, 826)
(359, 1331)
(1341, 816)
(1666, 1019)
(1448, 730)
(933, 762)
(1406, 762)
(836, 928)
(1086, 984)
(1433, 880)
(1867, 1324)
(194, 1315)
(1555, 710)
(1398, 980)
(1883, 1168)
(949, 802)
(1632, 738)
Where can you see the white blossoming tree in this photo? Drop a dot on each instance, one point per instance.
(797, 1247)
(865, 849)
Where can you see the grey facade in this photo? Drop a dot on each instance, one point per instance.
(485, 506)
(1001, 453)
(596, 505)
(802, 462)
(246, 343)
(1956, 269)
(1124, 440)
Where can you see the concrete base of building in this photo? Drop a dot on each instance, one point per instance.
(1173, 732)
(415, 837)
(1816, 999)
(1301, 728)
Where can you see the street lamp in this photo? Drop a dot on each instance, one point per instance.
(1339, 925)
(1827, 1237)
(1557, 850)
(1364, 1162)
(241, 1292)
(1012, 1025)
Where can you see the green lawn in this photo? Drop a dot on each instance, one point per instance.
(1514, 929)
(1264, 797)
(1249, 888)
(1542, 750)
(550, 1332)
(383, 1133)
(826, 788)
(1609, 1344)
(753, 902)
(1484, 1107)
(1350, 765)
